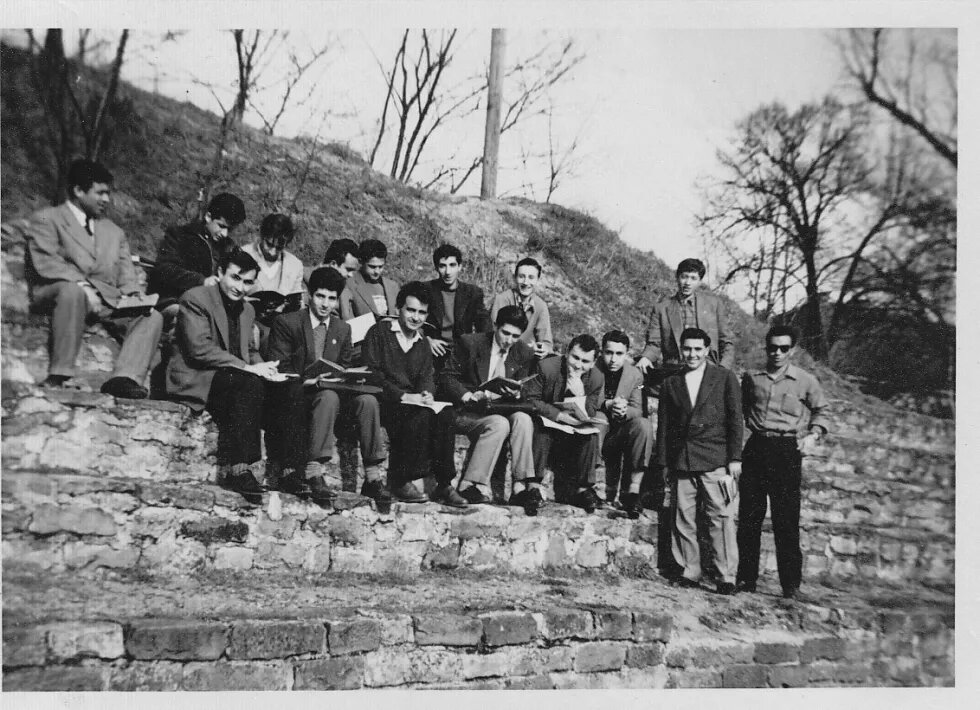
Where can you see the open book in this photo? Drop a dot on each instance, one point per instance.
(576, 407)
(584, 428)
(138, 304)
(265, 301)
(359, 327)
(350, 375)
(435, 406)
(498, 384)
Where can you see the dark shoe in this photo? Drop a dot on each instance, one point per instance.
(530, 499)
(473, 496)
(725, 589)
(447, 495)
(632, 505)
(294, 485)
(244, 483)
(683, 581)
(320, 492)
(587, 500)
(124, 388)
(408, 493)
(745, 587)
(376, 491)
(791, 593)
(55, 380)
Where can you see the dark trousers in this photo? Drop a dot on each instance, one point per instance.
(572, 457)
(773, 468)
(242, 404)
(421, 443)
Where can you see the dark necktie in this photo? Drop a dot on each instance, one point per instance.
(88, 227)
(501, 369)
(319, 339)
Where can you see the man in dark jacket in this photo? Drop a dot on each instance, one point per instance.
(455, 307)
(699, 441)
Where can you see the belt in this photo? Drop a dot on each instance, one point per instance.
(775, 434)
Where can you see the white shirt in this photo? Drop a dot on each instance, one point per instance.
(404, 342)
(314, 321)
(496, 355)
(693, 379)
(80, 215)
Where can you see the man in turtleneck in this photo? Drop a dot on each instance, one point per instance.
(456, 308)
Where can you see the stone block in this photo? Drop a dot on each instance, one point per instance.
(592, 553)
(234, 557)
(353, 636)
(146, 675)
(745, 676)
(508, 628)
(645, 654)
(648, 626)
(73, 640)
(24, 645)
(176, 640)
(350, 531)
(237, 675)
(442, 557)
(824, 648)
(349, 559)
(776, 653)
(388, 666)
(434, 666)
(567, 624)
(708, 654)
(488, 665)
(69, 678)
(789, 676)
(212, 530)
(193, 497)
(276, 639)
(447, 630)
(343, 673)
(824, 671)
(556, 554)
(613, 624)
(49, 519)
(697, 678)
(599, 656)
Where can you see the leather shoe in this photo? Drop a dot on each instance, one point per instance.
(791, 593)
(55, 380)
(294, 485)
(124, 388)
(683, 581)
(726, 589)
(408, 493)
(587, 500)
(473, 496)
(244, 483)
(447, 495)
(633, 505)
(376, 491)
(745, 587)
(530, 499)
(320, 492)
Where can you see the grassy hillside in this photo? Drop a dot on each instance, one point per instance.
(158, 150)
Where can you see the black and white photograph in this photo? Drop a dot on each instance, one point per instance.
(485, 346)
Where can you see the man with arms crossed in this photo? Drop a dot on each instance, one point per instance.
(786, 411)
(537, 334)
(699, 442)
(299, 339)
(480, 357)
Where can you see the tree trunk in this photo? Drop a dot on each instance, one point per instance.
(813, 335)
(491, 136)
(97, 131)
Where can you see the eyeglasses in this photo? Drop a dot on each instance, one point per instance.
(773, 349)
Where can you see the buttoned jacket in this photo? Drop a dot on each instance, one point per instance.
(666, 325)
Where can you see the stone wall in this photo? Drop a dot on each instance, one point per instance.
(553, 648)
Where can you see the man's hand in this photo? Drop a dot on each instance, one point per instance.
(735, 470)
(211, 281)
(509, 393)
(644, 364)
(618, 407)
(541, 349)
(566, 418)
(476, 396)
(808, 442)
(411, 398)
(427, 398)
(437, 346)
(94, 298)
(264, 369)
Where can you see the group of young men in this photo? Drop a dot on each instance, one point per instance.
(434, 351)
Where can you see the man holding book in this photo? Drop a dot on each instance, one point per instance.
(299, 341)
(568, 393)
(486, 373)
(420, 430)
(537, 334)
(279, 286)
(79, 269)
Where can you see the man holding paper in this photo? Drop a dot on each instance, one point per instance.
(486, 370)
(699, 442)
(566, 396)
(298, 340)
(421, 438)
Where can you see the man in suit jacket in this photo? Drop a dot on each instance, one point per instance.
(572, 455)
(478, 358)
(538, 331)
(299, 339)
(216, 367)
(624, 439)
(688, 308)
(368, 290)
(455, 307)
(699, 441)
(78, 268)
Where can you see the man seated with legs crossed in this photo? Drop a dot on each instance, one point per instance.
(299, 339)
(478, 358)
(216, 367)
(625, 435)
(422, 441)
(699, 441)
(572, 456)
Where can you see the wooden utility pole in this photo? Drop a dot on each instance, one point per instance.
(491, 136)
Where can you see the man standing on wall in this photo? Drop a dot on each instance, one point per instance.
(786, 411)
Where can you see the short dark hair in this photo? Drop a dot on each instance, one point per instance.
(240, 258)
(227, 207)
(277, 225)
(328, 278)
(528, 261)
(84, 173)
(689, 265)
(778, 331)
(415, 289)
(372, 249)
(616, 336)
(444, 251)
(585, 342)
(339, 249)
(511, 315)
(695, 334)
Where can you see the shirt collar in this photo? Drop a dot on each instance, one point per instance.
(689, 299)
(314, 321)
(792, 372)
(79, 213)
(396, 328)
(526, 305)
(698, 371)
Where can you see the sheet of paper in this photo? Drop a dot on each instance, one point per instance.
(569, 429)
(434, 406)
(360, 326)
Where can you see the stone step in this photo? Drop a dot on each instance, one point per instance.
(884, 462)
(872, 420)
(266, 631)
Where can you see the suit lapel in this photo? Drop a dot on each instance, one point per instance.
(625, 386)
(483, 359)
(681, 394)
(309, 356)
(220, 317)
(708, 383)
(77, 232)
(674, 318)
(331, 346)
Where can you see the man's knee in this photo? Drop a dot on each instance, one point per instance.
(522, 422)
(326, 399)
(366, 404)
(496, 425)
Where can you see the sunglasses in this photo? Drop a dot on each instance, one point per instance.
(773, 349)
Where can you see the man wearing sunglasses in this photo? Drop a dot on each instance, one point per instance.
(786, 412)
